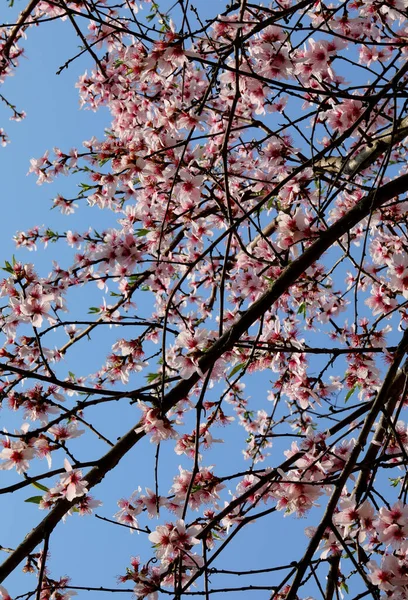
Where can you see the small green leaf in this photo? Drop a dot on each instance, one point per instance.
(269, 279)
(133, 278)
(34, 499)
(142, 232)
(85, 187)
(350, 393)
(237, 368)
(40, 486)
(395, 482)
(7, 267)
(152, 377)
(302, 309)
(93, 309)
(344, 586)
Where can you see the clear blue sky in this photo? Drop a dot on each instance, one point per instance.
(84, 548)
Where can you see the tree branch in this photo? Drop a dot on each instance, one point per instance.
(369, 203)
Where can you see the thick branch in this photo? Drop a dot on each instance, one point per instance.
(369, 153)
(20, 23)
(327, 238)
(62, 384)
(47, 525)
(380, 433)
(381, 399)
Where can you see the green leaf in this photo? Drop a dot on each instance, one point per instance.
(152, 377)
(350, 393)
(93, 309)
(40, 486)
(237, 368)
(85, 187)
(269, 279)
(344, 586)
(7, 267)
(133, 279)
(395, 482)
(302, 309)
(34, 499)
(142, 232)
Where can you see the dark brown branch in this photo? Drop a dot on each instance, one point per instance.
(31, 480)
(20, 23)
(332, 577)
(381, 399)
(42, 568)
(63, 384)
(327, 238)
(380, 433)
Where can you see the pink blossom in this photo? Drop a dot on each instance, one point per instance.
(155, 423)
(152, 503)
(72, 485)
(392, 524)
(16, 453)
(170, 539)
(129, 509)
(36, 305)
(380, 302)
(4, 593)
(383, 576)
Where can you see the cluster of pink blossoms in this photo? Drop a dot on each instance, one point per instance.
(229, 155)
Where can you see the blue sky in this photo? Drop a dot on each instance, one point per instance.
(54, 119)
(85, 548)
